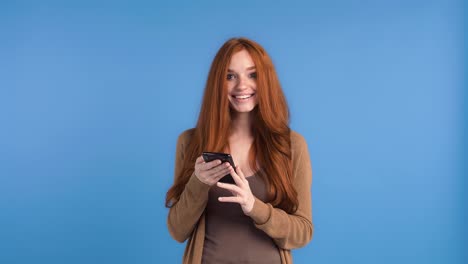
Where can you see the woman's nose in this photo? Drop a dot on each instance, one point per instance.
(242, 82)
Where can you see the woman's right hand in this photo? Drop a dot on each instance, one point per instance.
(210, 172)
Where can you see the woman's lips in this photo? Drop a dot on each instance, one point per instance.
(243, 98)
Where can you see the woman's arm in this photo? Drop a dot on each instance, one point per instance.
(185, 213)
(290, 230)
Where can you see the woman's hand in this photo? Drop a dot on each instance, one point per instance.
(241, 191)
(210, 172)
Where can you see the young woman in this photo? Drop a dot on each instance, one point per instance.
(268, 211)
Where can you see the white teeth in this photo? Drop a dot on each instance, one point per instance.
(243, 96)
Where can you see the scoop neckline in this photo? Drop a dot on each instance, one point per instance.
(251, 176)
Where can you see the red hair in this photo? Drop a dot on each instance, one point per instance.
(270, 153)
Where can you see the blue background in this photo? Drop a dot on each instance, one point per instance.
(93, 95)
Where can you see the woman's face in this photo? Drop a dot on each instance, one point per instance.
(242, 82)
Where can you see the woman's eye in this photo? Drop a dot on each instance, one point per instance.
(253, 75)
(230, 76)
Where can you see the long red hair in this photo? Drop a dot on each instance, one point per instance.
(270, 153)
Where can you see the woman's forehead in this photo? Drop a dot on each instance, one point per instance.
(241, 60)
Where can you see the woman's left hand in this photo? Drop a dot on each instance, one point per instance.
(241, 191)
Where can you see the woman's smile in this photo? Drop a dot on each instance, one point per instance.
(243, 98)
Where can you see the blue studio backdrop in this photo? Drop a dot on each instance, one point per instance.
(93, 95)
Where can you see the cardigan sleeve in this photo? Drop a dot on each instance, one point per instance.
(295, 230)
(185, 213)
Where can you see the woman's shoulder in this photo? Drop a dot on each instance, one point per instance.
(186, 135)
(297, 140)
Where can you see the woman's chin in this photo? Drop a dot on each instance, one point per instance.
(243, 109)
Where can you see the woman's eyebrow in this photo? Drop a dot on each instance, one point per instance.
(248, 68)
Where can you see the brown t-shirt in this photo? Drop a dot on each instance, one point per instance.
(231, 236)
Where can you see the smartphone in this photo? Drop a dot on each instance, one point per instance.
(224, 157)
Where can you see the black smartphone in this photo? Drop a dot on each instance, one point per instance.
(224, 157)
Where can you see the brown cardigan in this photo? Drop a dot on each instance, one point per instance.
(186, 219)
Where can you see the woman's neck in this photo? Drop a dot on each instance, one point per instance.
(241, 125)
